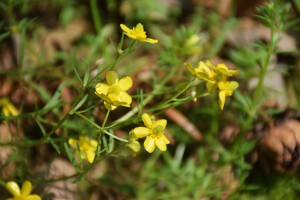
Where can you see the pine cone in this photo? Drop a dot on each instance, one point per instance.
(279, 143)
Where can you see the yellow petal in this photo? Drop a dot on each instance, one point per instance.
(12, 109)
(165, 139)
(125, 83)
(222, 98)
(13, 188)
(149, 144)
(139, 27)
(140, 132)
(112, 77)
(162, 123)
(26, 188)
(73, 143)
(33, 197)
(102, 88)
(90, 156)
(105, 98)
(149, 40)
(147, 120)
(233, 85)
(94, 144)
(160, 144)
(109, 106)
(190, 68)
(125, 28)
(125, 98)
(133, 147)
(5, 110)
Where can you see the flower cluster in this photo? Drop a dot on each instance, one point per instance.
(114, 93)
(216, 78)
(86, 146)
(23, 194)
(8, 108)
(154, 131)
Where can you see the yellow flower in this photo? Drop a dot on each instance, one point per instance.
(192, 44)
(133, 146)
(137, 33)
(23, 194)
(216, 78)
(154, 131)
(86, 146)
(114, 94)
(202, 72)
(8, 108)
(226, 89)
(222, 70)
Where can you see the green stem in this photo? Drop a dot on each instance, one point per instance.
(258, 90)
(100, 128)
(105, 119)
(156, 89)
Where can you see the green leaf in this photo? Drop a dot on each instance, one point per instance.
(86, 76)
(81, 102)
(75, 70)
(48, 138)
(70, 156)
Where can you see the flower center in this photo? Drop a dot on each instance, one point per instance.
(158, 129)
(114, 89)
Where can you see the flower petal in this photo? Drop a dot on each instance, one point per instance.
(13, 188)
(222, 98)
(73, 143)
(12, 109)
(26, 188)
(165, 139)
(112, 77)
(233, 85)
(125, 83)
(5, 110)
(33, 197)
(140, 132)
(102, 88)
(160, 143)
(90, 156)
(147, 120)
(150, 40)
(125, 98)
(109, 106)
(149, 144)
(190, 68)
(162, 123)
(139, 27)
(125, 28)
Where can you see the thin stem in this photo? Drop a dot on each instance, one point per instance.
(100, 128)
(106, 116)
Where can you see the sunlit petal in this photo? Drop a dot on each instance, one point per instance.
(190, 68)
(149, 40)
(13, 188)
(162, 123)
(125, 83)
(73, 143)
(112, 77)
(125, 28)
(102, 88)
(140, 132)
(222, 98)
(90, 156)
(139, 27)
(26, 188)
(124, 97)
(147, 120)
(165, 139)
(160, 143)
(149, 144)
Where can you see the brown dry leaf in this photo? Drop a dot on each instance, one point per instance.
(62, 38)
(6, 151)
(63, 189)
(184, 123)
